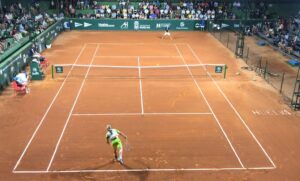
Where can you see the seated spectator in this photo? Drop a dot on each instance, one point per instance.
(38, 56)
(22, 29)
(21, 79)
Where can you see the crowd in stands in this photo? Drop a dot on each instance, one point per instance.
(283, 33)
(191, 9)
(17, 22)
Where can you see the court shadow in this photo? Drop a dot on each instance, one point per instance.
(141, 175)
(97, 167)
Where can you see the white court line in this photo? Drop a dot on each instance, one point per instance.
(71, 111)
(234, 109)
(214, 115)
(140, 114)
(135, 56)
(145, 170)
(141, 43)
(141, 85)
(47, 111)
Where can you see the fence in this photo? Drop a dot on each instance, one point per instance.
(282, 79)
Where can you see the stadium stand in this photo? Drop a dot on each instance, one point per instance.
(284, 33)
(206, 10)
(18, 24)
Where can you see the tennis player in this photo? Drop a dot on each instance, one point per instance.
(167, 33)
(112, 137)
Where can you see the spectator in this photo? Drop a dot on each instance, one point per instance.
(22, 80)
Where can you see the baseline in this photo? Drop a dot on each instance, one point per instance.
(146, 170)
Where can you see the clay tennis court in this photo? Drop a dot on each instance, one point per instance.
(183, 121)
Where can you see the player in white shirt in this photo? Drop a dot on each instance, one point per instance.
(112, 137)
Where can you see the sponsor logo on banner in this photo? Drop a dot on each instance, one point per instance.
(138, 26)
(77, 24)
(124, 26)
(223, 25)
(219, 69)
(35, 71)
(236, 25)
(86, 24)
(162, 25)
(106, 25)
(67, 25)
(197, 25)
(145, 27)
(182, 26)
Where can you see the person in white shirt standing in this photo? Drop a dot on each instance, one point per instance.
(112, 137)
(167, 33)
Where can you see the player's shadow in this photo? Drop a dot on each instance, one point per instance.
(142, 175)
(98, 167)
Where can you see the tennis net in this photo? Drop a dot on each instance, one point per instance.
(138, 72)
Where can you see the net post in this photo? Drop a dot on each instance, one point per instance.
(52, 71)
(225, 71)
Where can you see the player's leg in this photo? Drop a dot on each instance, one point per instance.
(163, 37)
(120, 154)
(118, 149)
(170, 35)
(115, 151)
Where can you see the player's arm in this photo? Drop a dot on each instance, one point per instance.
(122, 134)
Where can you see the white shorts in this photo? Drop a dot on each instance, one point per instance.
(167, 34)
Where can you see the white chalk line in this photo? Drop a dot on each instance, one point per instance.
(135, 56)
(47, 111)
(71, 111)
(211, 110)
(141, 85)
(139, 114)
(138, 43)
(143, 170)
(234, 109)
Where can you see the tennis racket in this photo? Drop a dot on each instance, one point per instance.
(127, 145)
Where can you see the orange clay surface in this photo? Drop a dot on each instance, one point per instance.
(179, 128)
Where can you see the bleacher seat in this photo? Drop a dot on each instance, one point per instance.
(261, 43)
(293, 62)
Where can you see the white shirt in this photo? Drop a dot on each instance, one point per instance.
(112, 134)
(21, 78)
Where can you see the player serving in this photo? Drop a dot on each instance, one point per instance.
(112, 137)
(167, 33)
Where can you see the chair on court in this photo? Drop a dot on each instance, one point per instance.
(44, 64)
(18, 89)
